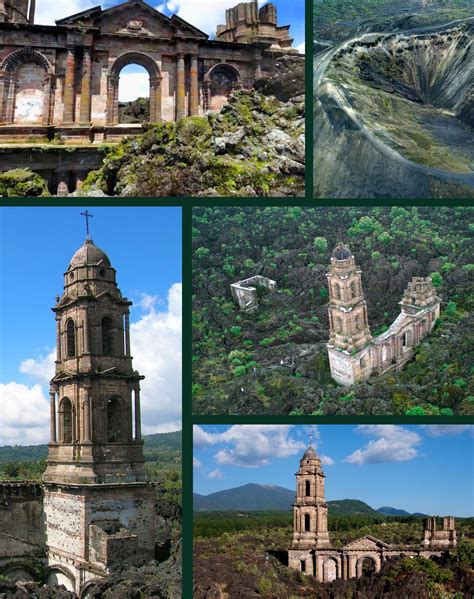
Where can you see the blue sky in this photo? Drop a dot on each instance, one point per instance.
(204, 14)
(36, 245)
(415, 468)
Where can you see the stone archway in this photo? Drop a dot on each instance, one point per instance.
(366, 565)
(27, 84)
(18, 571)
(407, 340)
(219, 82)
(60, 575)
(330, 569)
(145, 61)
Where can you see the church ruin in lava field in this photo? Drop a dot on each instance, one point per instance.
(354, 355)
(63, 80)
(311, 550)
(94, 508)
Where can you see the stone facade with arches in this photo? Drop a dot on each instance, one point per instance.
(311, 551)
(94, 508)
(354, 355)
(64, 79)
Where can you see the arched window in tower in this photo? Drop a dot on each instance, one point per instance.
(114, 420)
(353, 289)
(338, 323)
(337, 291)
(71, 339)
(307, 488)
(307, 524)
(107, 336)
(65, 420)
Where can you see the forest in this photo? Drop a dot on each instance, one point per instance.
(246, 553)
(274, 360)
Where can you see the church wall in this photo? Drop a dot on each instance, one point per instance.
(22, 532)
(65, 522)
(30, 96)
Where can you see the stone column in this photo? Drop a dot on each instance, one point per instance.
(87, 418)
(127, 335)
(155, 100)
(10, 100)
(180, 89)
(69, 87)
(258, 70)
(52, 412)
(194, 99)
(49, 95)
(138, 420)
(86, 98)
(58, 338)
(85, 324)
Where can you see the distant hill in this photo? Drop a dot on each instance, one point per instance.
(254, 497)
(154, 445)
(392, 511)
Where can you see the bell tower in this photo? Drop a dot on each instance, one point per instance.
(310, 511)
(348, 319)
(95, 393)
(99, 508)
(349, 345)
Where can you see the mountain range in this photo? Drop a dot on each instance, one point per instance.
(255, 497)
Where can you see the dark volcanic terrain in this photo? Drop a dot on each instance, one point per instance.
(397, 97)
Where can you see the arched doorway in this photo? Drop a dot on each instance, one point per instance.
(59, 575)
(27, 94)
(134, 95)
(219, 82)
(113, 81)
(329, 569)
(366, 566)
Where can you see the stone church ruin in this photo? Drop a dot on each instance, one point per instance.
(245, 293)
(354, 355)
(94, 508)
(62, 82)
(311, 550)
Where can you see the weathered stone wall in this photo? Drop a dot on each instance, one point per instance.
(245, 292)
(22, 531)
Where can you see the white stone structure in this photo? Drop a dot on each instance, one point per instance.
(245, 293)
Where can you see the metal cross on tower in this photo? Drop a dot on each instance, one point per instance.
(311, 437)
(87, 216)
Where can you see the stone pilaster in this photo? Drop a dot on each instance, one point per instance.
(180, 88)
(138, 425)
(86, 88)
(52, 410)
(194, 98)
(69, 87)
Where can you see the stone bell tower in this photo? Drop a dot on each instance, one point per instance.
(310, 511)
(95, 393)
(99, 509)
(350, 336)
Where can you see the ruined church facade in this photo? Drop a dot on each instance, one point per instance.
(63, 80)
(312, 552)
(354, 355)
(94, 508)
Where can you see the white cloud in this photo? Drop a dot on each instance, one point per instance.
(25, 415)
(393, 444)
(326, 460)
(203, 14)
(216, 474)
(133, 86)
(156, 350)
(301, 47)
(250, 446)
(197, 463)
(41, 368)
(49, 11)
(442, 430)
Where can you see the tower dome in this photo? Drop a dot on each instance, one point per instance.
(89, 255)
(309, 454)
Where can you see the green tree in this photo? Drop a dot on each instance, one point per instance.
(436, 279)
(320, 244)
